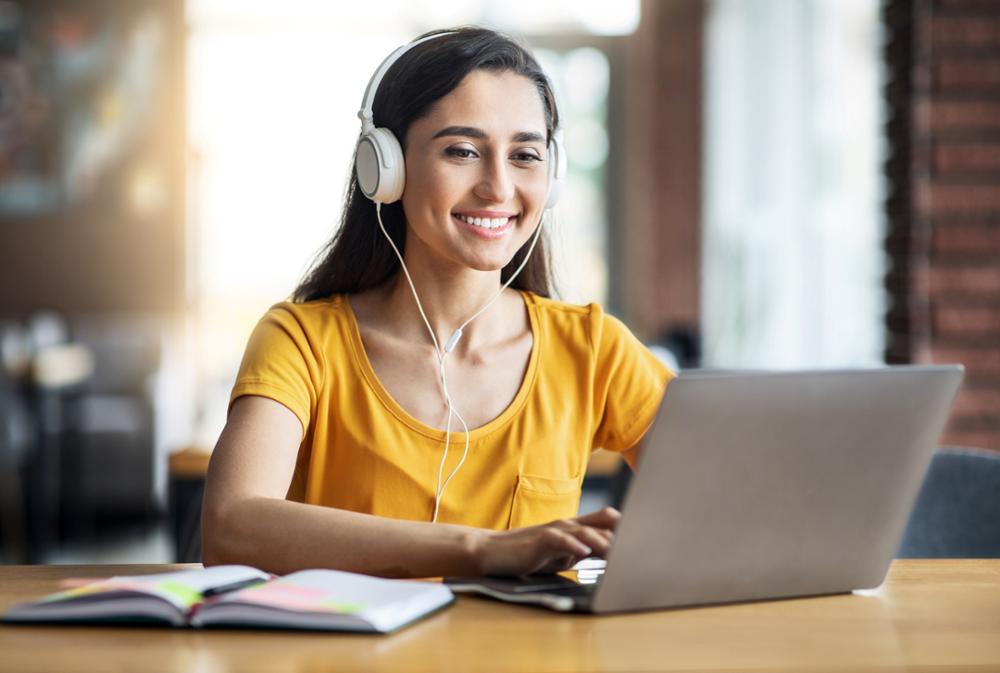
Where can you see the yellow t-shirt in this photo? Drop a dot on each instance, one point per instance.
(589, 384)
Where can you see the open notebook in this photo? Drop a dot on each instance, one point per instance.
(240, 596)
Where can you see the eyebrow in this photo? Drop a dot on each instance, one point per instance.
(473, 132)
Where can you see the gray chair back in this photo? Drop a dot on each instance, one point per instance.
(13, 449)
(957, 514)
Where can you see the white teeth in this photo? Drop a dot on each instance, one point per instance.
(485, 222)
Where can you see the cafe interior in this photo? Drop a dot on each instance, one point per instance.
(763, 184)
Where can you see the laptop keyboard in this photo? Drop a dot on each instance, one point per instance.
(587, 575)
(589, 570)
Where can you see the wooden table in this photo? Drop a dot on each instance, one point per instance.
(929, 615)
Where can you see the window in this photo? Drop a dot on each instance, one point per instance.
(792, 230)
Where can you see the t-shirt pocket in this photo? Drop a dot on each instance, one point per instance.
(539, 500)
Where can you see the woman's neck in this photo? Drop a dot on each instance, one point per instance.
(449, 297)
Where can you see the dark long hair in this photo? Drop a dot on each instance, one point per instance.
(358, 257)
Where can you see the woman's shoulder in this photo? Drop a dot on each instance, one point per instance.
(314, 321)
(555, 307)
(585, 324)
(569, 322)
(313, 312)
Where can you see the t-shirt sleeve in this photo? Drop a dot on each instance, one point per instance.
(282, 364)
(629, 384)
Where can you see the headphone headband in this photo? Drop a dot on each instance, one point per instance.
(365, 114)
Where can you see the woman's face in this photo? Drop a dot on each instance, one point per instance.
(476, 172)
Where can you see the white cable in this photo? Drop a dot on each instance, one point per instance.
(534, 239)
(440, 356)
(439, 490)
(378, 216)
(449, 346)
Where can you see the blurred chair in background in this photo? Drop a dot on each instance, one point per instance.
(116, 421)
(14, 435)
(76, 435)
(188, 469)
(57, 371)
(957, 514)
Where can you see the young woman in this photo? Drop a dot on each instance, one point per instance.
(335, 453)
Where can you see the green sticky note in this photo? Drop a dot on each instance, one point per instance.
(183, 593)
(344, 608)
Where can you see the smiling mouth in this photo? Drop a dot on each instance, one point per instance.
(487, 223)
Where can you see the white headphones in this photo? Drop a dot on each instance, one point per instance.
(381, 175)
(379, 159)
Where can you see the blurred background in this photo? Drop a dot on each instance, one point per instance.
(753, 183)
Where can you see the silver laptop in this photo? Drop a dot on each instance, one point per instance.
(761, 485)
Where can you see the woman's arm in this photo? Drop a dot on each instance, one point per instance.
(246, 519)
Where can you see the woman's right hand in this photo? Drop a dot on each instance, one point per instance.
(548, 548)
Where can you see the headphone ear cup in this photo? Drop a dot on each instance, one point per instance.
(557, 171)
(380, 166)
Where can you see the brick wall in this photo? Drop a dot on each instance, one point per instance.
(943, 206)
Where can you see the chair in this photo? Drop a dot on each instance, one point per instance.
(957, 514)
(13, 447)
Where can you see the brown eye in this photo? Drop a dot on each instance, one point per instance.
(527, 157)
(461, 153)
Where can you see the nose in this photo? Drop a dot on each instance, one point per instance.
(496, 183)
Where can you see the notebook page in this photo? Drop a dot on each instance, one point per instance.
(183, 588)
(383, 602)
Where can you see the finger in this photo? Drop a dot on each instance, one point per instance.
(606, 533)
(594, 538)
(607, 517)
(561, 542)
